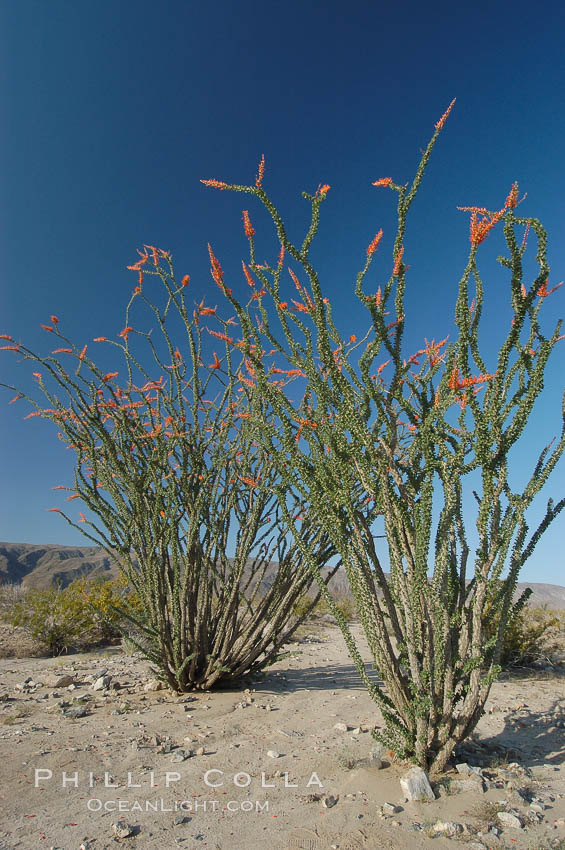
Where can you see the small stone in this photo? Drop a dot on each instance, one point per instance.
(391, 809)
(165, 746)
(180, 819)
(374, 760)
(86, 845)
(341, 727)
(377, 752)
(356, 731)
(55, 680)
(153, 685)
(466, 769)
(472, 784)
(200, 751)
(416, 785)
(510, 820)
(75, 713)
(448, 828)
(101, 684)
(178, 756)
(330, 801)
(122, 829)
(273, 754)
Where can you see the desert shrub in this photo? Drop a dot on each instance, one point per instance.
(415, 430)
(345, 607)
(172, 476)
(85, 613)
(530, 637)
(309, 607)
(107, 604)
(53, 617)
(10, 593)
(306, 607)
(530, 633)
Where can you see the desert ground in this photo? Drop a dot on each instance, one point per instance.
(94, 756)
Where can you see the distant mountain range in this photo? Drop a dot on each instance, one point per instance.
(44, 566)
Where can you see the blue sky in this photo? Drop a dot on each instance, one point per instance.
(114, 111)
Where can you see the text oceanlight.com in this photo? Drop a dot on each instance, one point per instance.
(193, 806)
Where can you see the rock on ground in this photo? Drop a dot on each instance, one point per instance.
(416, 785)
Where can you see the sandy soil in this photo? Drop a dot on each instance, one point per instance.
(280, 734)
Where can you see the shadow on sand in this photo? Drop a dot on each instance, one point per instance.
(530, 737)
(329, 677)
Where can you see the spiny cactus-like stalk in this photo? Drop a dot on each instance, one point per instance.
(443, 422)
(169, 469)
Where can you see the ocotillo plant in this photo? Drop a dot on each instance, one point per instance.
(435, 624)
(168, 469)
